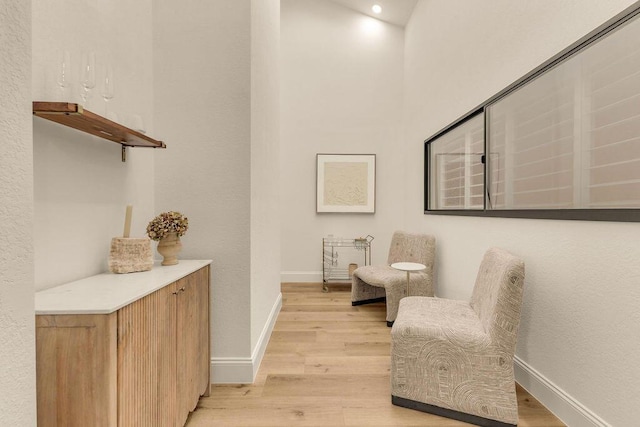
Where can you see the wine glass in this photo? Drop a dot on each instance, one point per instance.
(63, 77)
(137, 123)
(87, 75)
(108, 90)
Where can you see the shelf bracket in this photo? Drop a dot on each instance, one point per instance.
(124, 153)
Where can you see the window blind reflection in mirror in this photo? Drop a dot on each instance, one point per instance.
(570, 139)
(456, 173)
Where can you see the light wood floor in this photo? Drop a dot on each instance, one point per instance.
(327, 364)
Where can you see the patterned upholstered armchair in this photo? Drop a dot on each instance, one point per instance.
(374, 283)
(454, 358)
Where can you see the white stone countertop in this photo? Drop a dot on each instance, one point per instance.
(108, 292)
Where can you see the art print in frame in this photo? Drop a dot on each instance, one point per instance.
(346, 183)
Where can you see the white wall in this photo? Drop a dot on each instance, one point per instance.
(265, 166)
(17, 328)
(202, 103)
(341, 93)
(81, 185)
(580, 322)
(207, 94)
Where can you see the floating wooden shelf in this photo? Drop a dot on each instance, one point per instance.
(74, 116)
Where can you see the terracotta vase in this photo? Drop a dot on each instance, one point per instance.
(169, 247)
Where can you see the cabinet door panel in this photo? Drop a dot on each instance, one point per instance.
(76, 370)
(146, 365)
(192, 341)
(167, 363)
(187, 335)
(204, 336)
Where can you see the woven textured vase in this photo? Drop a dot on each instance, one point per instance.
(169, 247)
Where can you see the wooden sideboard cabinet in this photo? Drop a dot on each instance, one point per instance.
(145, 364)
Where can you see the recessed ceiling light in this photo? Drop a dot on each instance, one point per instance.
(376, 8)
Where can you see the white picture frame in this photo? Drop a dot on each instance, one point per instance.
(345, 183)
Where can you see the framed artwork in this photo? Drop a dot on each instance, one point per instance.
(346, 183)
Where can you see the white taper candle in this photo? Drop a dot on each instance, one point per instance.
(127, 221)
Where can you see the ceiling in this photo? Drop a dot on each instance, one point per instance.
(395, 12)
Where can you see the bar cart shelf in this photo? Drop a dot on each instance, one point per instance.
(334, 267)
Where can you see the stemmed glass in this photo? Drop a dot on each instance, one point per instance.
(87, 75)
(63, 77)
(108, 90)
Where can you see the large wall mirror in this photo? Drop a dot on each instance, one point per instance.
(563, 142)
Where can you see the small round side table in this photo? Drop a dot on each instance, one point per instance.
(408, 267)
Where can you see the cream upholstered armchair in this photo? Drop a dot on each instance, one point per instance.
(455, 358)
(374, 283)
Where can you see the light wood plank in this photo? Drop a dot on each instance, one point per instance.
(286, 363)
(308, 348)
(355, 336)
(269, 412)
(358, 414)
(293, 336)
(347, 365)
(234, 392)
(303, 325)
(326, 385)
(352, 316)
(319, 308)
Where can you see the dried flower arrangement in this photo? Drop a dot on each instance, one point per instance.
(167, 222)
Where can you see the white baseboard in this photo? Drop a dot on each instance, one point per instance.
(243, 370)
(265, 335)
(301, 276)
(231, 370)
(570, 411)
